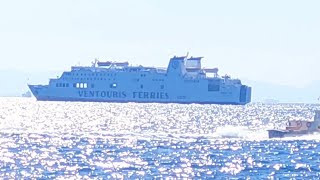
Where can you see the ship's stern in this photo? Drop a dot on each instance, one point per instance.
(245, 94)
(276, 133)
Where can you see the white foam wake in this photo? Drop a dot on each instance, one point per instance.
(229, 131)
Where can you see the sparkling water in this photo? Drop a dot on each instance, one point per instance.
(74, 140)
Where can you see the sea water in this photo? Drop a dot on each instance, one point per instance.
(75, 140)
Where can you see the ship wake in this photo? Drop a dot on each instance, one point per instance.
(241, 132)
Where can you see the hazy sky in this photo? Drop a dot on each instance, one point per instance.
(271, 41)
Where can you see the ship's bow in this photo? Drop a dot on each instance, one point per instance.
(37, 90)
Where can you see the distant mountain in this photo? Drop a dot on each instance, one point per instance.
(14, 83)
(284, 94)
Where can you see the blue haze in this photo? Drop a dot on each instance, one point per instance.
(274, 42)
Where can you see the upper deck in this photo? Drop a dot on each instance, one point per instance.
(183, 66)
(99, 66)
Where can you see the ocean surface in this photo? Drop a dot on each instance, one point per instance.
(74, 140)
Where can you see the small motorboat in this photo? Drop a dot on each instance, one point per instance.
(297, 128)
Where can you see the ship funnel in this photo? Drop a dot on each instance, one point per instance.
(176, 66)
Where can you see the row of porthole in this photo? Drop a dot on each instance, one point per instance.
(161, 86)
(85, 85)
(84, 74)
(188, 81)
(88, 79)
(157, 79)
(77, 74)
(62, 85)
(80, 85)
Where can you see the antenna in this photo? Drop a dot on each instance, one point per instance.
(187, 54)
(93, 63)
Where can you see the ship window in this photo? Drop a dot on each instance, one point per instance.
(81, 85)
(57, 85)
(78, 85)
(63, 85)
(85, 85)
(67, 85)
(92, 85)
(74, 84)
(213, 87)
(141, 86)
(113, 85)
(162, 87)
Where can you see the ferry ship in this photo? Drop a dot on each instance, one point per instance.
(183, 81)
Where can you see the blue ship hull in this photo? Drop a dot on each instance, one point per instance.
(114, 83)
